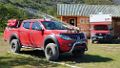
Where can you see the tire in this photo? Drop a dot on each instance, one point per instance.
(92, 41)
(52, 52)
(15, 46)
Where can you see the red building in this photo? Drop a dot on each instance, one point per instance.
(78, 15)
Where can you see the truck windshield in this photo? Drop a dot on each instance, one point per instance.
(101, 27)
(53, 25)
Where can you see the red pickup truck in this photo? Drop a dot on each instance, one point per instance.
(51, 36)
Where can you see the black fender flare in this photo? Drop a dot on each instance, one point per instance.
(13, 36)
(53, 38)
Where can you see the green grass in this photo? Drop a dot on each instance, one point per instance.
(98, 56)
(101, 56)
(1, 33)
(27, 59)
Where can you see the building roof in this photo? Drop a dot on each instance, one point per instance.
(86, 10)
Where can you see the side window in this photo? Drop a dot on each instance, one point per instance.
(36, 26)
(26, 25)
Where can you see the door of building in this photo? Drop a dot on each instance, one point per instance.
(73, 21)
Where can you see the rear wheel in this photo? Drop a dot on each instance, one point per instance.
(52, 52)
(15, 46)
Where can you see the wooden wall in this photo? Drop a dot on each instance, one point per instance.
(82, 22)
(84, 25)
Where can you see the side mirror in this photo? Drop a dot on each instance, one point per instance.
(42, 29)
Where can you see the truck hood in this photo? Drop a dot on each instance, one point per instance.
(69, 30)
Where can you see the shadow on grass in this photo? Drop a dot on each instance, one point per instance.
(113, 41)
(85, 59)
(36, 53)
(11, 60)
(66, 57)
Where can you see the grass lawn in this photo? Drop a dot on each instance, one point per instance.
(98, 56)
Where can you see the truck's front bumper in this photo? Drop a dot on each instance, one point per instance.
(102, 38)
(70, 46)
(78, 46)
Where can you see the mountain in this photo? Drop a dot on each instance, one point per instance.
(49, 6)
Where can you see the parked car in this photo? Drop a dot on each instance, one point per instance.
(101, 28)
(53, 37)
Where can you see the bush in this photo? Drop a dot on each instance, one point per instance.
(9, 11)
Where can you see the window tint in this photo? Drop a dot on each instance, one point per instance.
(26, 25)
(51, 25)
(36, 26)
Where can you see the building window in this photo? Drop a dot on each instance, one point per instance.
(81, 21)
(87, 20)
(84, 20)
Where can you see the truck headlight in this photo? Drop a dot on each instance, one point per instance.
(65, 37)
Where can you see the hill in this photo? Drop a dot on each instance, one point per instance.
(35, 8)
(49, 6)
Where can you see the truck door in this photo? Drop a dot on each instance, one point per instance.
(25, 33)
(36, 35)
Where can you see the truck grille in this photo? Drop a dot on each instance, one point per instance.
(100, 34)
(75, 36)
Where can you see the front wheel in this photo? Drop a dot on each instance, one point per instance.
(15, 46)
(52, 52)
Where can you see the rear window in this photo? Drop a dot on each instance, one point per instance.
(53, 25)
